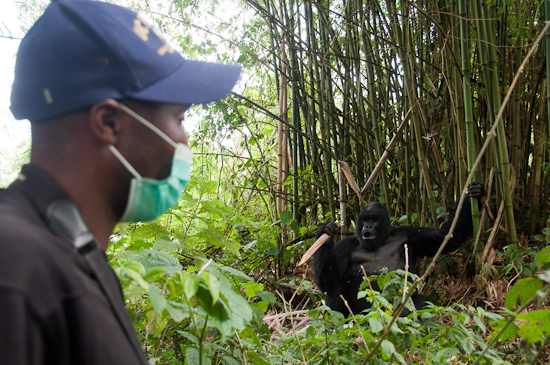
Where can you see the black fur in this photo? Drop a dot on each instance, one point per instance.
(375, 245)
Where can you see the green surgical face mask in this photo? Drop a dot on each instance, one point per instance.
(150, 198)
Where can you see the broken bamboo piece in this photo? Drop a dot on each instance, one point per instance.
(316, 245)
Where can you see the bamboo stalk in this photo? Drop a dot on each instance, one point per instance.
(343, 201)
(487, 54)
(547, 43)
(468, 114)
(385, 155)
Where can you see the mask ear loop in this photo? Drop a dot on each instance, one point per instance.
(125, 162)
(147, 123)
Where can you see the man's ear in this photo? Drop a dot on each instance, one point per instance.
(107, 121)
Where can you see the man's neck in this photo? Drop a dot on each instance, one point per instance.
(84, 188)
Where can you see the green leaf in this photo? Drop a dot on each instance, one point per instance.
(228, 360)
(134, 275)
(427, 315)
(256, 359)
(511, 330)
(149, 231)
(396, 330)
(218, 312)
(242, 313)
(543, 258)
(294, 226)
(480, 324)
(375, 325)
(194, 339)
(155, 275)
(157, 299)
(524, 289)
(134, 265)
(190, 286)
(177, 314)
(252, 288)
(213, 285)
(267, 296)
(537, 326)
(400, 357)
(261, 305)
(388, 347)
(236, 273)
(446, 353)
(286, 217)
(192, 357)
(467, 345)
(272, 252)
(213, 346)
(165, 244)
(214, 207)
(242, 58)
(152, 260)
(134, 292)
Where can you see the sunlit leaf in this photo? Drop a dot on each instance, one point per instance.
(376, 325)
(524, 289)
(157, 299)
(152, 260)
(252, 288)
(190, 286)
(165, 244)
(543, 258)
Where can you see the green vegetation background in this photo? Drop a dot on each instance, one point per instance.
(329, 81)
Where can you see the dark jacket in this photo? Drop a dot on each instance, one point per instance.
(53, 310)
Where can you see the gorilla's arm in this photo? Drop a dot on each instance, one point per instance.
(325, 268)
(426, 241)
(331, 263)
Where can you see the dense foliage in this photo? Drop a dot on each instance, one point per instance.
(329, 81)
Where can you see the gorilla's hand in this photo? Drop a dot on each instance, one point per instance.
(477, 191)
(329, 228)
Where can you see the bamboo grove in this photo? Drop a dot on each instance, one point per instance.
(335, 79)
(345, 75)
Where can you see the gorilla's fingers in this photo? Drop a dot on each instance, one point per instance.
(476, 190)
(331, 228)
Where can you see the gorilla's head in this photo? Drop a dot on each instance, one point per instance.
(373, 226)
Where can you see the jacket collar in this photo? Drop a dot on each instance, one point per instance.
(40, 188)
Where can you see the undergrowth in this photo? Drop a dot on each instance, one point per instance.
(191, 309)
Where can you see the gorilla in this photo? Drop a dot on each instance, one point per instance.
(377, 245)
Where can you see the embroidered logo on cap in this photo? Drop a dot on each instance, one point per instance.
(142, 28)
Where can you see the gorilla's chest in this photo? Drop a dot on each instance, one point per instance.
(390, 255)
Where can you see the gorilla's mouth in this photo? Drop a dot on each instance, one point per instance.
(368, 236)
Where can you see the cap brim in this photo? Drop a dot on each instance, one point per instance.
(195, 82)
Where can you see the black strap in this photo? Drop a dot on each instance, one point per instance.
(65, 219)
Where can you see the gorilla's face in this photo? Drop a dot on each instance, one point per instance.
(373, 226)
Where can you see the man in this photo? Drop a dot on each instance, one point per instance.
(105, 95)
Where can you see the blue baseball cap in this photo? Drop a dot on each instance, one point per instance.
(81, 52)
